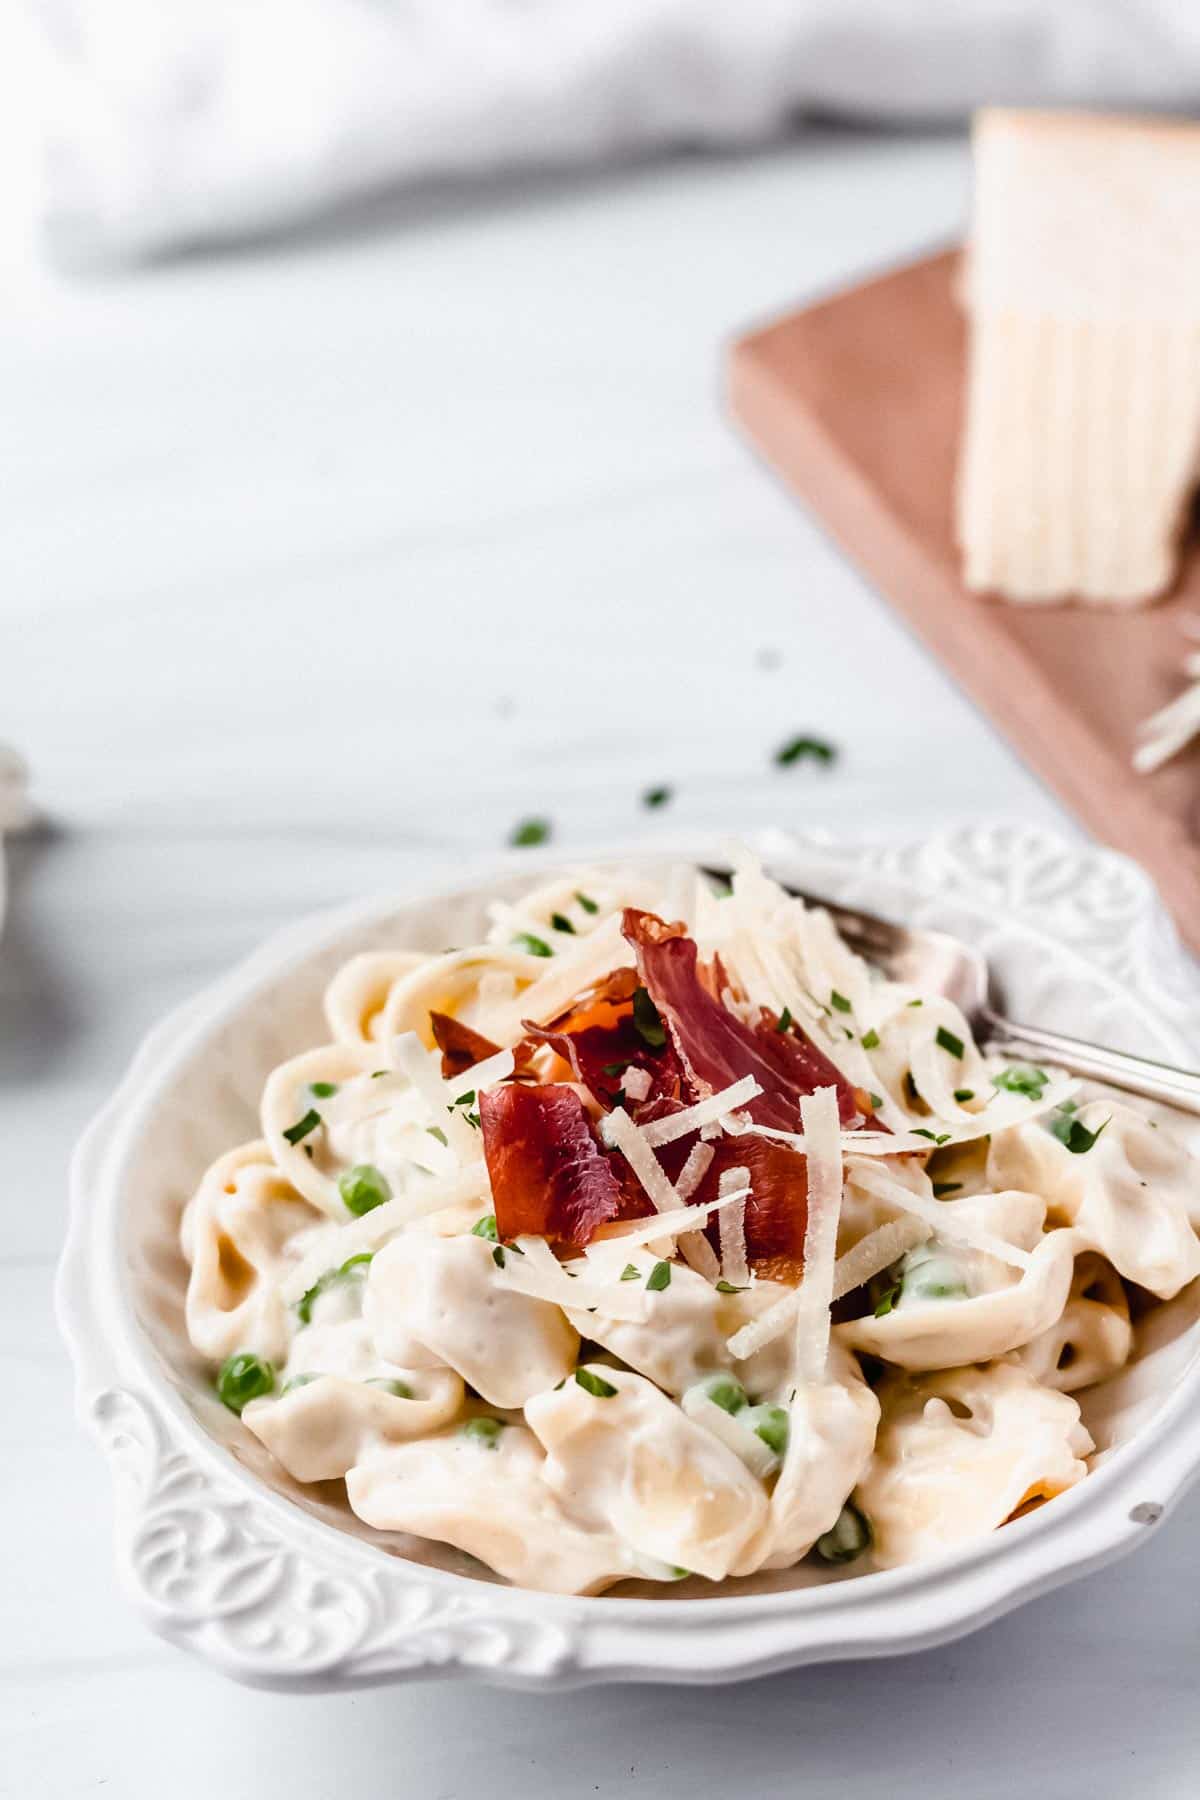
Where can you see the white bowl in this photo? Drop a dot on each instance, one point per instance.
(282, 1586)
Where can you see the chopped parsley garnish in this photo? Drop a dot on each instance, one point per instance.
(1072, 1131)
(870, 1039)
(942, 1188)
(646, 1020)
(302, 1127)
(658, 1278)
(727, 1287)
(800, 749)
(920, 1131)
(962, 1094)
(916, 1003)
(465, 1099)
(1022, 1078)
(437, 1132)
(329, 1279)
(657, 796)
(536, 946)
(561, 922)
(322, 1090)
(630, 1272)
(363, 1188)
(486, 1228)
(947, 1041)
(378, 1074)
(592, 1383)
(613, 1069)
(588, 904)
(498, 1256)
(876, 1100)
(839, 1002)
(528, 832)
(785, 1020)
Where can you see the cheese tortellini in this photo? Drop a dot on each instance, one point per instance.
(1133, 1196)
(961, 1451)
(638, 1390)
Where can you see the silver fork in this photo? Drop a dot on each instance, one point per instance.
(939, 963)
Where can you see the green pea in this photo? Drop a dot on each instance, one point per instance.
(242, 1378)
(930, 1273)
(847, 1538)
(353, 1266)
(482, 1431)
(391, 1385)
(363, 1188)
(725, 1392)
(299, 1381)
(770, 1423)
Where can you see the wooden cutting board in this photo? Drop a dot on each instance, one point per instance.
(856, 402)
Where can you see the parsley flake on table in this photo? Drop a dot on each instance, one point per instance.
(528, 832)
(805, 749)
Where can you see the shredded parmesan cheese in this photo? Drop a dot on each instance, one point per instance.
(765, 1329)
(705, 1112)
(1165, 733)
(685, 1219)
(334, 1245)
(484, 1074)
(636, 1083)
(531, 1268)
(822, 1131)
(876, 1252)
(734, 1264)
(423, 1069)
(758, 1456)
(619, 1131)
(934, 1134)
(693, 1171)
(939, 1215)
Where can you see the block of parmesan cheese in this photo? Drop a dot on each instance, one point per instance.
(1081, 445)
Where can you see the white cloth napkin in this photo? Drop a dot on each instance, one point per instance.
(176, 122)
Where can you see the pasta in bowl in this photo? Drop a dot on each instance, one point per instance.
(657, 1238)
(244, 1544)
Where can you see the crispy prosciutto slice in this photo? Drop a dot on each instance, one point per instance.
(549, 1175)
(776, 1212)
(462, 1048)
(603, 1035)
(714, 1046)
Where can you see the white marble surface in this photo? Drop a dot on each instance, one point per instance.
(325, 560)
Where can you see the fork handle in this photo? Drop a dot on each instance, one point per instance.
(1133, 1074)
